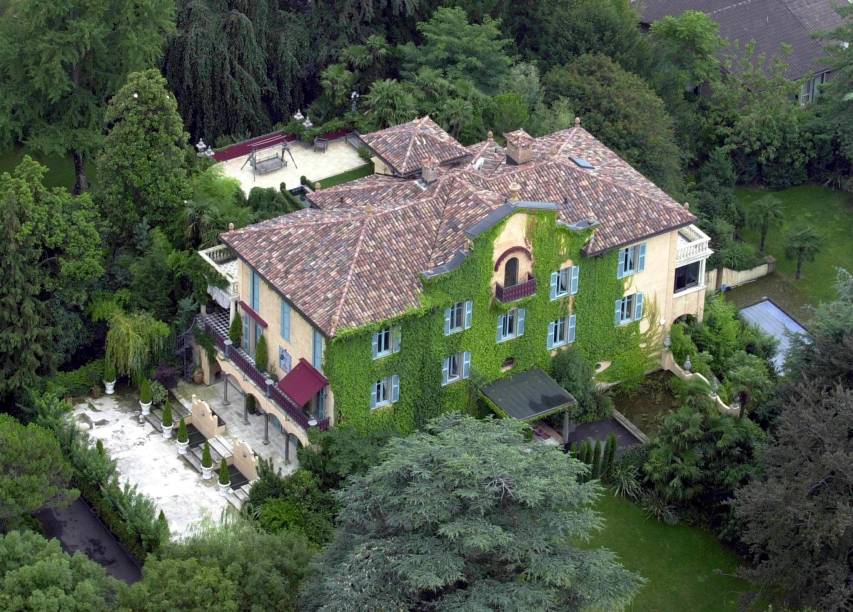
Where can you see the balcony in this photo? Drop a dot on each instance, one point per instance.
(217, 328)
(222, 259)
(692, 245)
(516, 292)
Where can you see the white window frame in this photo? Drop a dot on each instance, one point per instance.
(634, 305)
(462, 361)
(513, 320)
(555, 338)
(458, 317)
(385, 342)
(385, 392)
(631, 260)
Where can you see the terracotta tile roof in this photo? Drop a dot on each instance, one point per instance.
(358, 258)
(405, 147)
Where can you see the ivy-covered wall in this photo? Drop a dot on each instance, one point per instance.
(424, 346)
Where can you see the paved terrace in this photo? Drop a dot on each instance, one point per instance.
(339, 157)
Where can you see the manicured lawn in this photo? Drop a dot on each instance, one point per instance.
(686, 568)
(60, 169)
(346, 177)
(831, 213)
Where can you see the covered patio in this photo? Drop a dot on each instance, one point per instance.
(530, 396)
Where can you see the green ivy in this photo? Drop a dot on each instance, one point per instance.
(424, 345)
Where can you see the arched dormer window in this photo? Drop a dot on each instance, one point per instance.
(511, 272)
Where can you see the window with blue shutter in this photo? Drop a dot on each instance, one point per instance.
(285, 320)
(561, 282)
(629, 308)
(245, 340)
(385, 341)
(317, 357)
(620, 264)
(466, 364)
(455, 368)
(395, 388)
(641, 257)
(576, 271)
(561, 332)
(457, 318)
(255, 295)
(554, 279)
(285, 362)
(445, 371)
(521, 313)
(396, 334)
(638, 307)
(631, 260)
(572, 325)
(447, 321)
(511, 325)
(501, 325)
(550, 342)
(469, 314)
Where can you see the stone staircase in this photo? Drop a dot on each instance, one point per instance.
(220, 448)
(237, 497)
(155, 418)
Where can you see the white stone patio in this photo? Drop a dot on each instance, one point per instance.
(339, 157)
(235, 429)
(145, 459)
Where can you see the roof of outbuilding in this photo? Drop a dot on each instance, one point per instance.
(769, 23)
(407, 146)
(358, 258)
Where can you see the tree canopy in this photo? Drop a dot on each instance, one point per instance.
(55, 101)
(468, 514)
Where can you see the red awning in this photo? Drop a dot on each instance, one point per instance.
(252, 314)
(302, 383)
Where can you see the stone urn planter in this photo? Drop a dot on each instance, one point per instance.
(109, 379)
(182, 446)
(224, 478)
(167, 431)
(109, 387)
(167, 421)
(145, 397)
(206, 462)
(183, 437)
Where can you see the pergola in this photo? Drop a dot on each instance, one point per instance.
(530, 396)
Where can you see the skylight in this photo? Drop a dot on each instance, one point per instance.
(582, 163)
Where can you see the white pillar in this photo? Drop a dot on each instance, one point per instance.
(232, 309)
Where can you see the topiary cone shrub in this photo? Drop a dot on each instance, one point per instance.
(183, 435)
(145, 392)
(109, 372)
(224, 476)
(206, 460)
(261, 354)
(235, 332)
(167, 415)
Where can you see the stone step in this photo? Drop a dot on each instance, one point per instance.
(241, 494)
(234, 500)
(221, 446)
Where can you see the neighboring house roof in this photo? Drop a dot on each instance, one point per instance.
(769, 23)
(359, 256)
(407, 146)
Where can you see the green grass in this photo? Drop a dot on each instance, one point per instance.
(686, 568)
(346, 177)
(831, 213)
(60, 169)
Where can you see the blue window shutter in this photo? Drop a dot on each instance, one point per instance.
(445, 371)
(466, 364)
(375, 345)
(620, 268)
(500, 327)
(572, 325)
(373, 396)
(641, 257)
(554, 278)
(447, 321)
(395, 339)
(576, 272)
(638, 307)
(318, 350)
(256, 291)
(469, 313)
(520, 326)
(550, 342)
(285, 320)
(618, 311)
(245, 341)
(395, 388)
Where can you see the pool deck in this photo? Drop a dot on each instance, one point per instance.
(339, 157)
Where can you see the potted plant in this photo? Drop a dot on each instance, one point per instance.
(206, 462)
(167, 420)
(109, 378)
(183, 437)
(145, 397)
(224, 477)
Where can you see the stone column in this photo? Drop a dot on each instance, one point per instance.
(246, 409)
(225, 400)
(287, 448)
(266, 428)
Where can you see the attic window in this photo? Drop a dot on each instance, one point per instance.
(582, 163)
(421, 184)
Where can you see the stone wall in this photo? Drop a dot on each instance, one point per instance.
(243, 458)
(204, 419)
(736, 278)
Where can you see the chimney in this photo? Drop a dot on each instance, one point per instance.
(230, 227)
(519, 147)
(429, 170)
(514, 192)
(577, 121)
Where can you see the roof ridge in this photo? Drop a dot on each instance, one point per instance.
(418, 126)
(333, 324)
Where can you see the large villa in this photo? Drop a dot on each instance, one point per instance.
(451, 268)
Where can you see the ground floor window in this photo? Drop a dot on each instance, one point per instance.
(385, 391)
(561, 332)
(629, 308)
(456, 367)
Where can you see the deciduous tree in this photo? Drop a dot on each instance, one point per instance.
(61, 61)
(469, 515)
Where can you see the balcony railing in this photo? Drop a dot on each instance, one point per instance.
(516, 292)
(222, 259)
(247, 366)
(692, 245)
